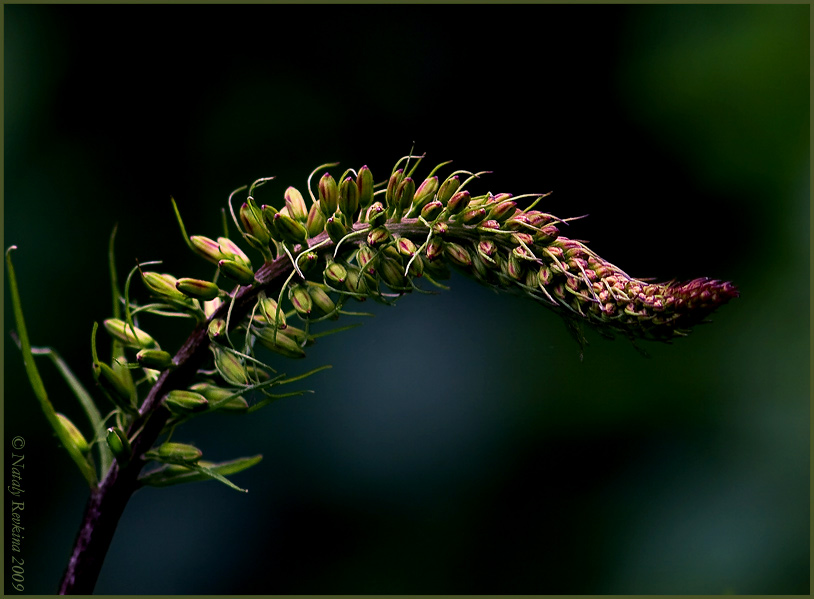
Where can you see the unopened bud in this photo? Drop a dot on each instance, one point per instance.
(515, 267)
(392, 186)
(295, 204)
(335, 229)
(424, 193)
(118, 391)
(215, 394)
(300, 299)
(268, 213)
(431, 210)
(177, 452)
(364, 181)
(392, 273)
(457, 254)
(349, 198)
(378, 236)
(328, 195)
(267, 313)
(458, 202)
(406, 247)
(204, 290)
(434, 248)
(547, 234)
(289, 229)
(216, 329)
(119, 444)
(448, 189)
(129, 336)
(229, 366)
(74, 435)
(232, 252)
(405, 195)
(365, 258)
(279, 343)
(315, 223)
(185, 402)
(335, 273)
(162, 285)
(207, 248)
(473, 217)
(155, 358)
(376, 214)
(253, 224)
(320, 299)
(237, 272)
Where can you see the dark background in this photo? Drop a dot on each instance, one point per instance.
(458, 445)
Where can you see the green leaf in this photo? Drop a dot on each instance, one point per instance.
(36, 382)
(189, 473)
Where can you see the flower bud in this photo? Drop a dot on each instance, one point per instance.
(424, 193)
(155, 358)
(335, 273)
(119, 392)
(448, 189)
(216, 329)
(458, 202)
(320, 299)
(457, 254)
(544, 276)
(253, 224)
(335, 229)
(328, 195)
(279, 343)
(207, 248)
(229, 366)
(440, 228)
(268, 213)
(405, 194)
(378, 236)
(355, 283)
(473, 217)
(364, 181)
(349, 198)
(162, 286)
(301, 299)
(406, 247)
(431, 210)
(392, 187)
(185, 402)
(119, 444)
(315, 223)
(232, 252)
(215, 394)
(237, 272)
(515, 267)
(177, 452)
(267, 313)
(434, 248)
(547, 234)
(487, 250)
(392, 274)
(197, 288)
(129, 336)
(74, 436)
(376, 215)
(365, 258)
(295, 204)
(289, 229)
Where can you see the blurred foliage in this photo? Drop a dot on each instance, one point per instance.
(491, 460)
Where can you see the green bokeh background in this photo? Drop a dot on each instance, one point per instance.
(458, 445)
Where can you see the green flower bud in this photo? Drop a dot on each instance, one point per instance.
(320, 299)
(458, 202)
(364, 181)
(547, 234)
(197, 288)
(335, 273)
(376, 214)
(207, 248)
(515, 267)
(129, 336)
(440, 228)
(406, 247)
(214, 394)
(301, 299)
(392, 273)
(162, 286)
(503, 211)
(487, 250)
(231, 251)
(155, 358)
(185, 402)
(473, 217)
(75, 437)
(424, 193)
(267, 313)
(253, 224)
(355, 283)
(307, 261)
(405, 193)
(434, 249)
(120, 393)
(328, 195)
(237, 272)
(378, 236)
(289, 229)
(279, 343)
(518, 222)
(335, 229)
(216, 329)
(457, 254)
(295, 204)
(268, 213)
(229, 366)
(349, 198)
(177, 452)
(119, 444)
(392, 186)
(365, 258)
(448, 189)
(431, 210)
(315, 223)
(490, 224)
